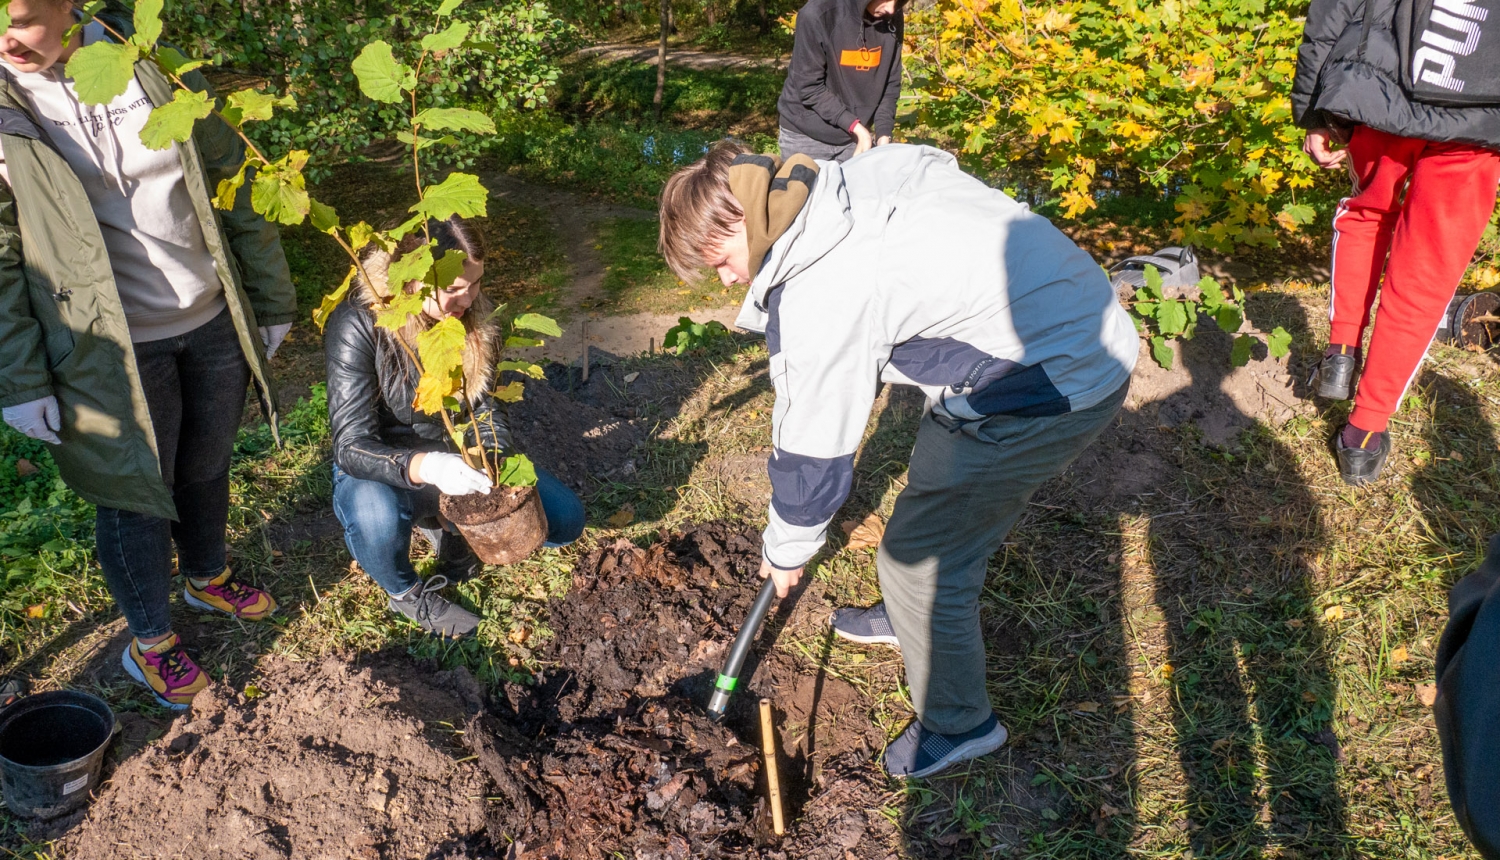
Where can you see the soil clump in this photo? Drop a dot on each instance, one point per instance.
(611, 752)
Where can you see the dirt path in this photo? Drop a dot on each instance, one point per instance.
(699, 60)
(577, 219)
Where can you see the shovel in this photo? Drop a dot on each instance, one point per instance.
(729, 676)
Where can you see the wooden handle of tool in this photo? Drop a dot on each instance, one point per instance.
(773, 781)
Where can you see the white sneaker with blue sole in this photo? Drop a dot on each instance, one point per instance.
(920, 753)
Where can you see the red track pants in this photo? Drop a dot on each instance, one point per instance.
(1422, 244)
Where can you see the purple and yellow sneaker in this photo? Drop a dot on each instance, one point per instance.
(167, 670)
(226, 594)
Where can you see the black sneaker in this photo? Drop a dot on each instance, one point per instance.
(1360, 466)
(433, 612)
(1335, 376)
(866, 626)
(919, 752)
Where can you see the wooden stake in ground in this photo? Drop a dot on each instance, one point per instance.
(773, 780)
(585, 334)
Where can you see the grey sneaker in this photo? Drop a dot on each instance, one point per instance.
(918, 752)
(433, 612)
(866, 626)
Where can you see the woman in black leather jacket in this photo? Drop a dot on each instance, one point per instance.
(390, 461)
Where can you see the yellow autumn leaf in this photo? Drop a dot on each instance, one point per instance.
(1399, 656)
(622, 518)
(441, 349)
(37, 611)
(1334, 613)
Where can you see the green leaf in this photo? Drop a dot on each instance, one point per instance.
(423, 141)
(455, 119)
(441, 349)
(1153, 283)
(1213, 294)
(486, 47)
(254, 106)
(380, 76)
(530, 368)
(514, 342)
(325, 219)
(448, 39)
(1299, 213)
(401, 306)
(460, 194)
(1279, 342)
(510, 392)
(279, 191)
(173, 121)
(404, 227)
(447, 7)
(5, 17)
(331, 301)
(412, 266)
(517, 471)
(1229, 318)
(1161, 352)
(147, 23)
(1171, 317)
(446, 270)
(173, 62)
(542, 325)
(229, 188)
(102, 71)
(1145, 309)
(360, 235)
(1239, 354)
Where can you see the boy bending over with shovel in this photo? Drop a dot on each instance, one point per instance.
(898, 267)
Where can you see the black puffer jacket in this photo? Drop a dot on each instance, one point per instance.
(371, 385)
(1351, 73)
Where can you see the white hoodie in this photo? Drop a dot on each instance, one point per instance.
(163, 270)
(901, 268)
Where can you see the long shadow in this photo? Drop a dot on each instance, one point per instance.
(1252, 689)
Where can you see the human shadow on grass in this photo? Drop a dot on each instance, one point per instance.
(1232, 543)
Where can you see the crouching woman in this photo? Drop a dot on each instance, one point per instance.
(390, 461)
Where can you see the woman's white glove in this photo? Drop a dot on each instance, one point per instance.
(271, 337)
(38, 419)
(452, 475)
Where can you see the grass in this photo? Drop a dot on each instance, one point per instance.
(731, 101)
(637, 280)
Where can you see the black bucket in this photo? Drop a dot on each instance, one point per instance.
(51, 747)
(1466, 324)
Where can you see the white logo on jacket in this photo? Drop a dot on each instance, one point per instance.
(1436, 60)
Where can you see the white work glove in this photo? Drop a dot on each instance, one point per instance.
(452, 475)
(271, 337)
(38, 419)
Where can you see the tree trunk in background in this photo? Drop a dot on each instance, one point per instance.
(619, 11)
(765, 20)
(661, 57)
(709, 15)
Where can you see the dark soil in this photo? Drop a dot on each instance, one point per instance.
(607, 754)
(611, 751)
(578, 441)
(483, 507)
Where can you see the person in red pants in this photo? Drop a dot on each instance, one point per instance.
(1425, 174)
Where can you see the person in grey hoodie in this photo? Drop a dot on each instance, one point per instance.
(898, 267)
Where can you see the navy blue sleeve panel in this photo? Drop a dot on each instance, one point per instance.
(808, 491)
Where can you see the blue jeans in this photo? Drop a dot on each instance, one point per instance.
(378, 517)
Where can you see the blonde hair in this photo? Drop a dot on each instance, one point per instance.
(698, 208)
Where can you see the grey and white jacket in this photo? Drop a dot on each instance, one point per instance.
(901, 268)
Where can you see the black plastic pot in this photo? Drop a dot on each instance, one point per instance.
(51, 747)
(1460, 327)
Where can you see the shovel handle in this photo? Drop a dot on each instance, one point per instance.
(729, 676)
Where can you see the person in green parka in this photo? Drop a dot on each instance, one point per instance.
(133, 315)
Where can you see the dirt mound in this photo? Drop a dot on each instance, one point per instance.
(611, 752)
(326, 761)
(574, 440)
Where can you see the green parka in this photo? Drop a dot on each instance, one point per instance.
(62, 326)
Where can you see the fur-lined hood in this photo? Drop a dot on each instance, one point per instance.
(483, 343)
